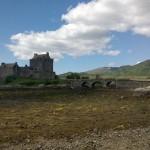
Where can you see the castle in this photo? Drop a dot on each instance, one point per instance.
(41, 67)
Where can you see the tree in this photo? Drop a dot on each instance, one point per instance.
(73, 76)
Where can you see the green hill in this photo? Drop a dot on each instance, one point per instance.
(141, 70)
(138, 71)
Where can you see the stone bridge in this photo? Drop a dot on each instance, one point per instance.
(107, 83)
(93, 83)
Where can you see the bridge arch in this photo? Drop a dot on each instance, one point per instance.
(96, 83)
(85, 84)
(111, 84)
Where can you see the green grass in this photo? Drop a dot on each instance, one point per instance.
(11, 80)
(57, 113)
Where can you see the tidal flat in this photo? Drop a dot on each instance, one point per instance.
(57, 113)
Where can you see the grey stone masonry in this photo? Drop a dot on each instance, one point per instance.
(41, 67)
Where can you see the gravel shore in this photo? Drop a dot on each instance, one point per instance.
(131, 139)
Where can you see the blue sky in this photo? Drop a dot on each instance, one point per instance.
(20, 16)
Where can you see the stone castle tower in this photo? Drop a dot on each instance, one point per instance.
(41, 67)
(41, 62)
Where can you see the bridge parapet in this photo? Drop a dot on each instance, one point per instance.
(108, 83)
(93, 83)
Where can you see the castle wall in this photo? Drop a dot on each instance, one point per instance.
(8, 70)
(42, 63)
(25, 72)
(39, 75)
(41, 67)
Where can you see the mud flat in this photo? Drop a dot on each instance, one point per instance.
(74, 119)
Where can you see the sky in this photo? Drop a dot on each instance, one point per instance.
(79, 34)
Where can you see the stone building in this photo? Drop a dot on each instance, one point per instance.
(41, 67)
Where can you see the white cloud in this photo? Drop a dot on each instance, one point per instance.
(138, 62)
(112, 53)
(87, 30)
(112, 64)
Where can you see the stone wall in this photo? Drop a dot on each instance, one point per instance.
(25, 72)
(109, 83)
(8, 70)
(131, 84)
(41, 67)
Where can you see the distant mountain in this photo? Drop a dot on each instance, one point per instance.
(139, 70)
(101, 70)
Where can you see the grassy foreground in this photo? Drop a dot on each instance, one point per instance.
(58, 113)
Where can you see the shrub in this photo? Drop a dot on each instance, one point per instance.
(73, 76)
(56, 77)
(10, 79)
(29, 82)
(85, 77)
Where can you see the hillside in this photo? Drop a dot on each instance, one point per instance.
(139, 70)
